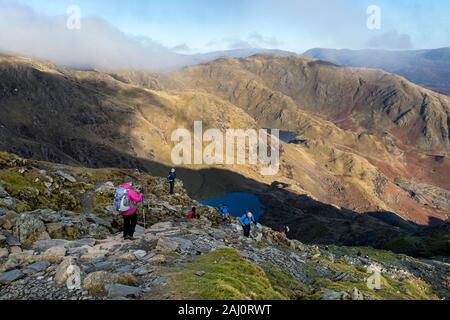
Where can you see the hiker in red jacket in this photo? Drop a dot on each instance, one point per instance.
(192, 214)
(130, 217)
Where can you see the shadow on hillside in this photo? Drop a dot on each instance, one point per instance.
(85, 131)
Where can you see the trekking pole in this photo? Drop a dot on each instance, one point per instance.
(143, 213)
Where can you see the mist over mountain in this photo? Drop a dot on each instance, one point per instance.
(428, 68)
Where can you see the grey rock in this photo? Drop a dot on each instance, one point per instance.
(106, 187)
(11, 240)
(44, 245)
(78, 252)
(161, 226)
(218, 234)
(48, 215)
(140, 254)
(29, 224)
(11, 276)
(88, 268)
(81, 243)
(184, 244)
(200, 273)
(334, 295)
(120, 290)
(3, 193)
(144, 270)
(139, 232)
(97, 220)
(169, 207)
(167, 245)
(36, 267)
(160, 281)
(124, 269)
(2, 239)
(9, 203)
(103, 266)
(8, 220)
(3, 253)
(66, 176)
(61, 274)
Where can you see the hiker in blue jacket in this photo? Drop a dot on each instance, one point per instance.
(246, 222)
(223, 209)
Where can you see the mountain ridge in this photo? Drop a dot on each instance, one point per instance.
(107, 118)
(426, 67)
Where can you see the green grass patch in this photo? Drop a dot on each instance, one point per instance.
(31, 193)
(228, 276)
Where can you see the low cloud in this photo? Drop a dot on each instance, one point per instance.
(271, 42)
(182, 48)
(253, 40)
(391, 40)
(97, 44)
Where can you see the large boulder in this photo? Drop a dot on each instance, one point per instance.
(62, 274)
(54, 254)
(167, 245)
(30, 228)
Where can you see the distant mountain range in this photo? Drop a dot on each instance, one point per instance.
(428, 68)
(239, 53)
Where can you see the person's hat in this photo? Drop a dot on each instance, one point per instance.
(173, 170)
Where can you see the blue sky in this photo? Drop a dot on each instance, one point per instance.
(297, 25)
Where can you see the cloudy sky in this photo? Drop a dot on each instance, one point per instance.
(37, 27)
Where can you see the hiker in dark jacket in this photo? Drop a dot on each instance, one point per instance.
(246, 222)
(171, 178)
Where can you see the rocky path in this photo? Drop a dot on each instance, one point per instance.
(117, 269)
(56, 254)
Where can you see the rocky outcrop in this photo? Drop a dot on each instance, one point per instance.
(59, 254)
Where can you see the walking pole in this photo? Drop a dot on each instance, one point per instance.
(143, 212)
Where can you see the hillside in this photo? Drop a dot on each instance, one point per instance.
(353, 123)
(56, 216)
(428, 68)
(365, 142)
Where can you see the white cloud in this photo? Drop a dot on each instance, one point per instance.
(253, 40)
(270, 42)
(96, 45)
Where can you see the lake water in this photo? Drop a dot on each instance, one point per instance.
(237, 202)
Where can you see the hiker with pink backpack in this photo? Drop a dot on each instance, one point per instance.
(125, 203)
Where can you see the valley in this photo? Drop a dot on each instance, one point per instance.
(366, 142)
